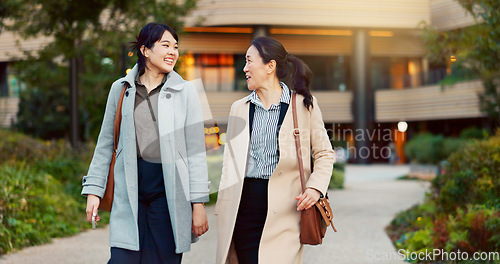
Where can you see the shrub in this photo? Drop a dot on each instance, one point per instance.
(462, 211)
(34, 208)
(424, 148)
(472, 230)
(471, 177)
(474, 133)
(16, 146)
(427, 148)
(337, 179)
(40, 190)
(55, 157)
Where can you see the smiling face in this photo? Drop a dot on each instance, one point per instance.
(256, 71)
(161, 58)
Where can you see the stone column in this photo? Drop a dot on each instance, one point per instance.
(363, 100)
(260, 31)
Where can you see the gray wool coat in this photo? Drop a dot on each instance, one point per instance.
(183, 156)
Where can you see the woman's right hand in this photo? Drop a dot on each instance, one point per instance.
(93, 202)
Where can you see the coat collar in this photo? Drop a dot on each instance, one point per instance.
(174, 80)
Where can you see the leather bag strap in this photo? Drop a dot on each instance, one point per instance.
(323, 206)
(118, 119)
(296, 134)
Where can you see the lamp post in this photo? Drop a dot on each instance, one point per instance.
(400, 141)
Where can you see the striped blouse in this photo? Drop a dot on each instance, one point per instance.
(263, 151)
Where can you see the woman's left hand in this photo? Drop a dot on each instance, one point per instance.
(307, 199)
(200, 222)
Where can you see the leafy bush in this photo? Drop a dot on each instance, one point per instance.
(424, 148)
(54, 157)
(462, 211)
(34, 208)
(40, 195)
(337, 179)
(427, 148)
(474, 133)
(16, 147)
(474, 229)
(471, 177)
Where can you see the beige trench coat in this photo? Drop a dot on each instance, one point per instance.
(280, 241)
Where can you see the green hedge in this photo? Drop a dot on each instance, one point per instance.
(40, 190)
(337, 179)
(471, 177)
(34, 208)
(427, 148)
(462, 210)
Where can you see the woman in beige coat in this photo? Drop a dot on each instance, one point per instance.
(260, 196)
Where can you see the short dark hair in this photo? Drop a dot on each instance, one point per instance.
(149, 35)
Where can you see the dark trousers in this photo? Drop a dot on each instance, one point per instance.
(156, 238)
(250, 221)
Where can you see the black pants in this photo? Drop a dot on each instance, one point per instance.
(250, 221)
(156, 239)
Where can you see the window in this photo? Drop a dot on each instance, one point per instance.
(396, 73)
(331, 73)
(216, 71)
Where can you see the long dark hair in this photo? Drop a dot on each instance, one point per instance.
(271, 49)
(148, 36)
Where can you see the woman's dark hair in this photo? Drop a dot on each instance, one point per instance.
(148, 36)
(271, 49)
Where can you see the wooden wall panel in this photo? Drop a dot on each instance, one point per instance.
(429, 103)
(335, 106)
(340, 13)
(214, 43)
(448, 15)
(316, 45)
(400, 45)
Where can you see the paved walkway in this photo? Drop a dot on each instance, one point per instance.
(362, 210)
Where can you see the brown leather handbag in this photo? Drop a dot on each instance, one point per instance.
(107, 199)
(315, 220)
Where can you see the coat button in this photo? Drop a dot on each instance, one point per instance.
(275, 211)
(168, 96)
(279, 173)
(126, 93)
(84, 180)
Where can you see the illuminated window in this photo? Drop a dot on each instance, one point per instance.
(216, 71)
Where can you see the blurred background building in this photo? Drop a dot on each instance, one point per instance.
(368, 58)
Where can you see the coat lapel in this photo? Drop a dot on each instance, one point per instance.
(238, 146)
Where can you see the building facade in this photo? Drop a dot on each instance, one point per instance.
(367, 56)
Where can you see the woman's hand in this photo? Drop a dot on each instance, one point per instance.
(200, 222)
(307, 199)
(93, 202)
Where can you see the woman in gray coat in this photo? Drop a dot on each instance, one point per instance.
(161, 180)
